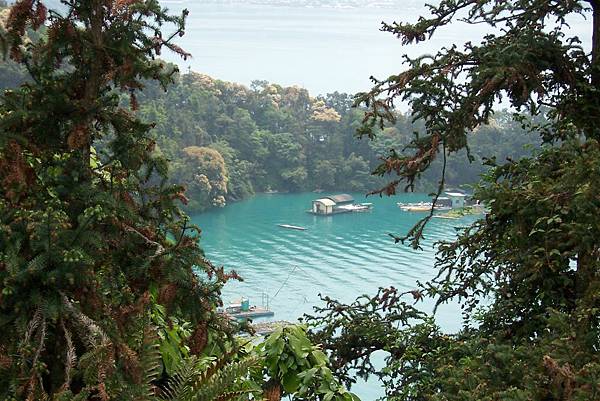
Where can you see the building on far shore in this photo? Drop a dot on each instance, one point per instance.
(457, 199)
(334, 204)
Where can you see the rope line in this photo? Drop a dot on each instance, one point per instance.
(285, 282)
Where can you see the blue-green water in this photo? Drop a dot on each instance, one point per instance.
(342, 256)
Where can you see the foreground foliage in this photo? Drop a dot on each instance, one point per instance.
(104, 291)
(534, 257)
(91, 244)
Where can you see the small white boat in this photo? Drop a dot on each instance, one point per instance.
(292, 227)
(360, 207)
(421, 207)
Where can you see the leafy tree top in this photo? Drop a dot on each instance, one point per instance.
(526, 60)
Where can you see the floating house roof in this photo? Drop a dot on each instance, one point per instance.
(325, 201)
(456, 194)
(341, 198)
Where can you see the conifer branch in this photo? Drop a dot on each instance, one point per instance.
(160, 250)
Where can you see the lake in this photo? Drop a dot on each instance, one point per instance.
(323, 49)
(342, 256)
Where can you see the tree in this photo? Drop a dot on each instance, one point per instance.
(203, 172)
(534, 256)
(93, 247)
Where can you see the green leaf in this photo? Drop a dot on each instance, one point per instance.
(291, 382)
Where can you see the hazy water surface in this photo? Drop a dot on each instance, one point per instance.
(322, 49)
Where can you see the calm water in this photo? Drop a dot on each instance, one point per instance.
(342, 256)
(322, 49)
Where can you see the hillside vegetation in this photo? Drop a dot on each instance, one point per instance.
(271, 137)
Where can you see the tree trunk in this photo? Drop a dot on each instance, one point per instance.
(273, 391)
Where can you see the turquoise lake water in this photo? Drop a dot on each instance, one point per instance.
(342, 256)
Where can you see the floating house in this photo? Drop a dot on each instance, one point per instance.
(342, 203)
(323, 206)
(457, 199)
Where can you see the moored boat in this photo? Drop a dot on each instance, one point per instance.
(291, 227)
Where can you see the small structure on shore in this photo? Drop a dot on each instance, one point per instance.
(335, 204)
(453, 200)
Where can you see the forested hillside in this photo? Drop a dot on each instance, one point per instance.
(228, 141)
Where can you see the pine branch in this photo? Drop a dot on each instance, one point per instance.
(160, 250)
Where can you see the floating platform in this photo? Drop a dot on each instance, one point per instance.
(291, 227)
(241, 309)
(252, 313)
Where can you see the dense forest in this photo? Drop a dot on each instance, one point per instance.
(230, 141)
(226, 141)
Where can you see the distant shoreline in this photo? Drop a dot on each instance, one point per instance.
(348, 4)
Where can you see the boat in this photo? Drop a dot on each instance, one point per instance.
(360, 207)
(291, 227)
(422, 207)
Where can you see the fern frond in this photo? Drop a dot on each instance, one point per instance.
(38, 263)
(150, 360)
(70, 357)
(179, 385)
(220, 382)
(231, 395)
(90, 332)
(33, 324)
(215, 367)
(35, 382)
(224, 382)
